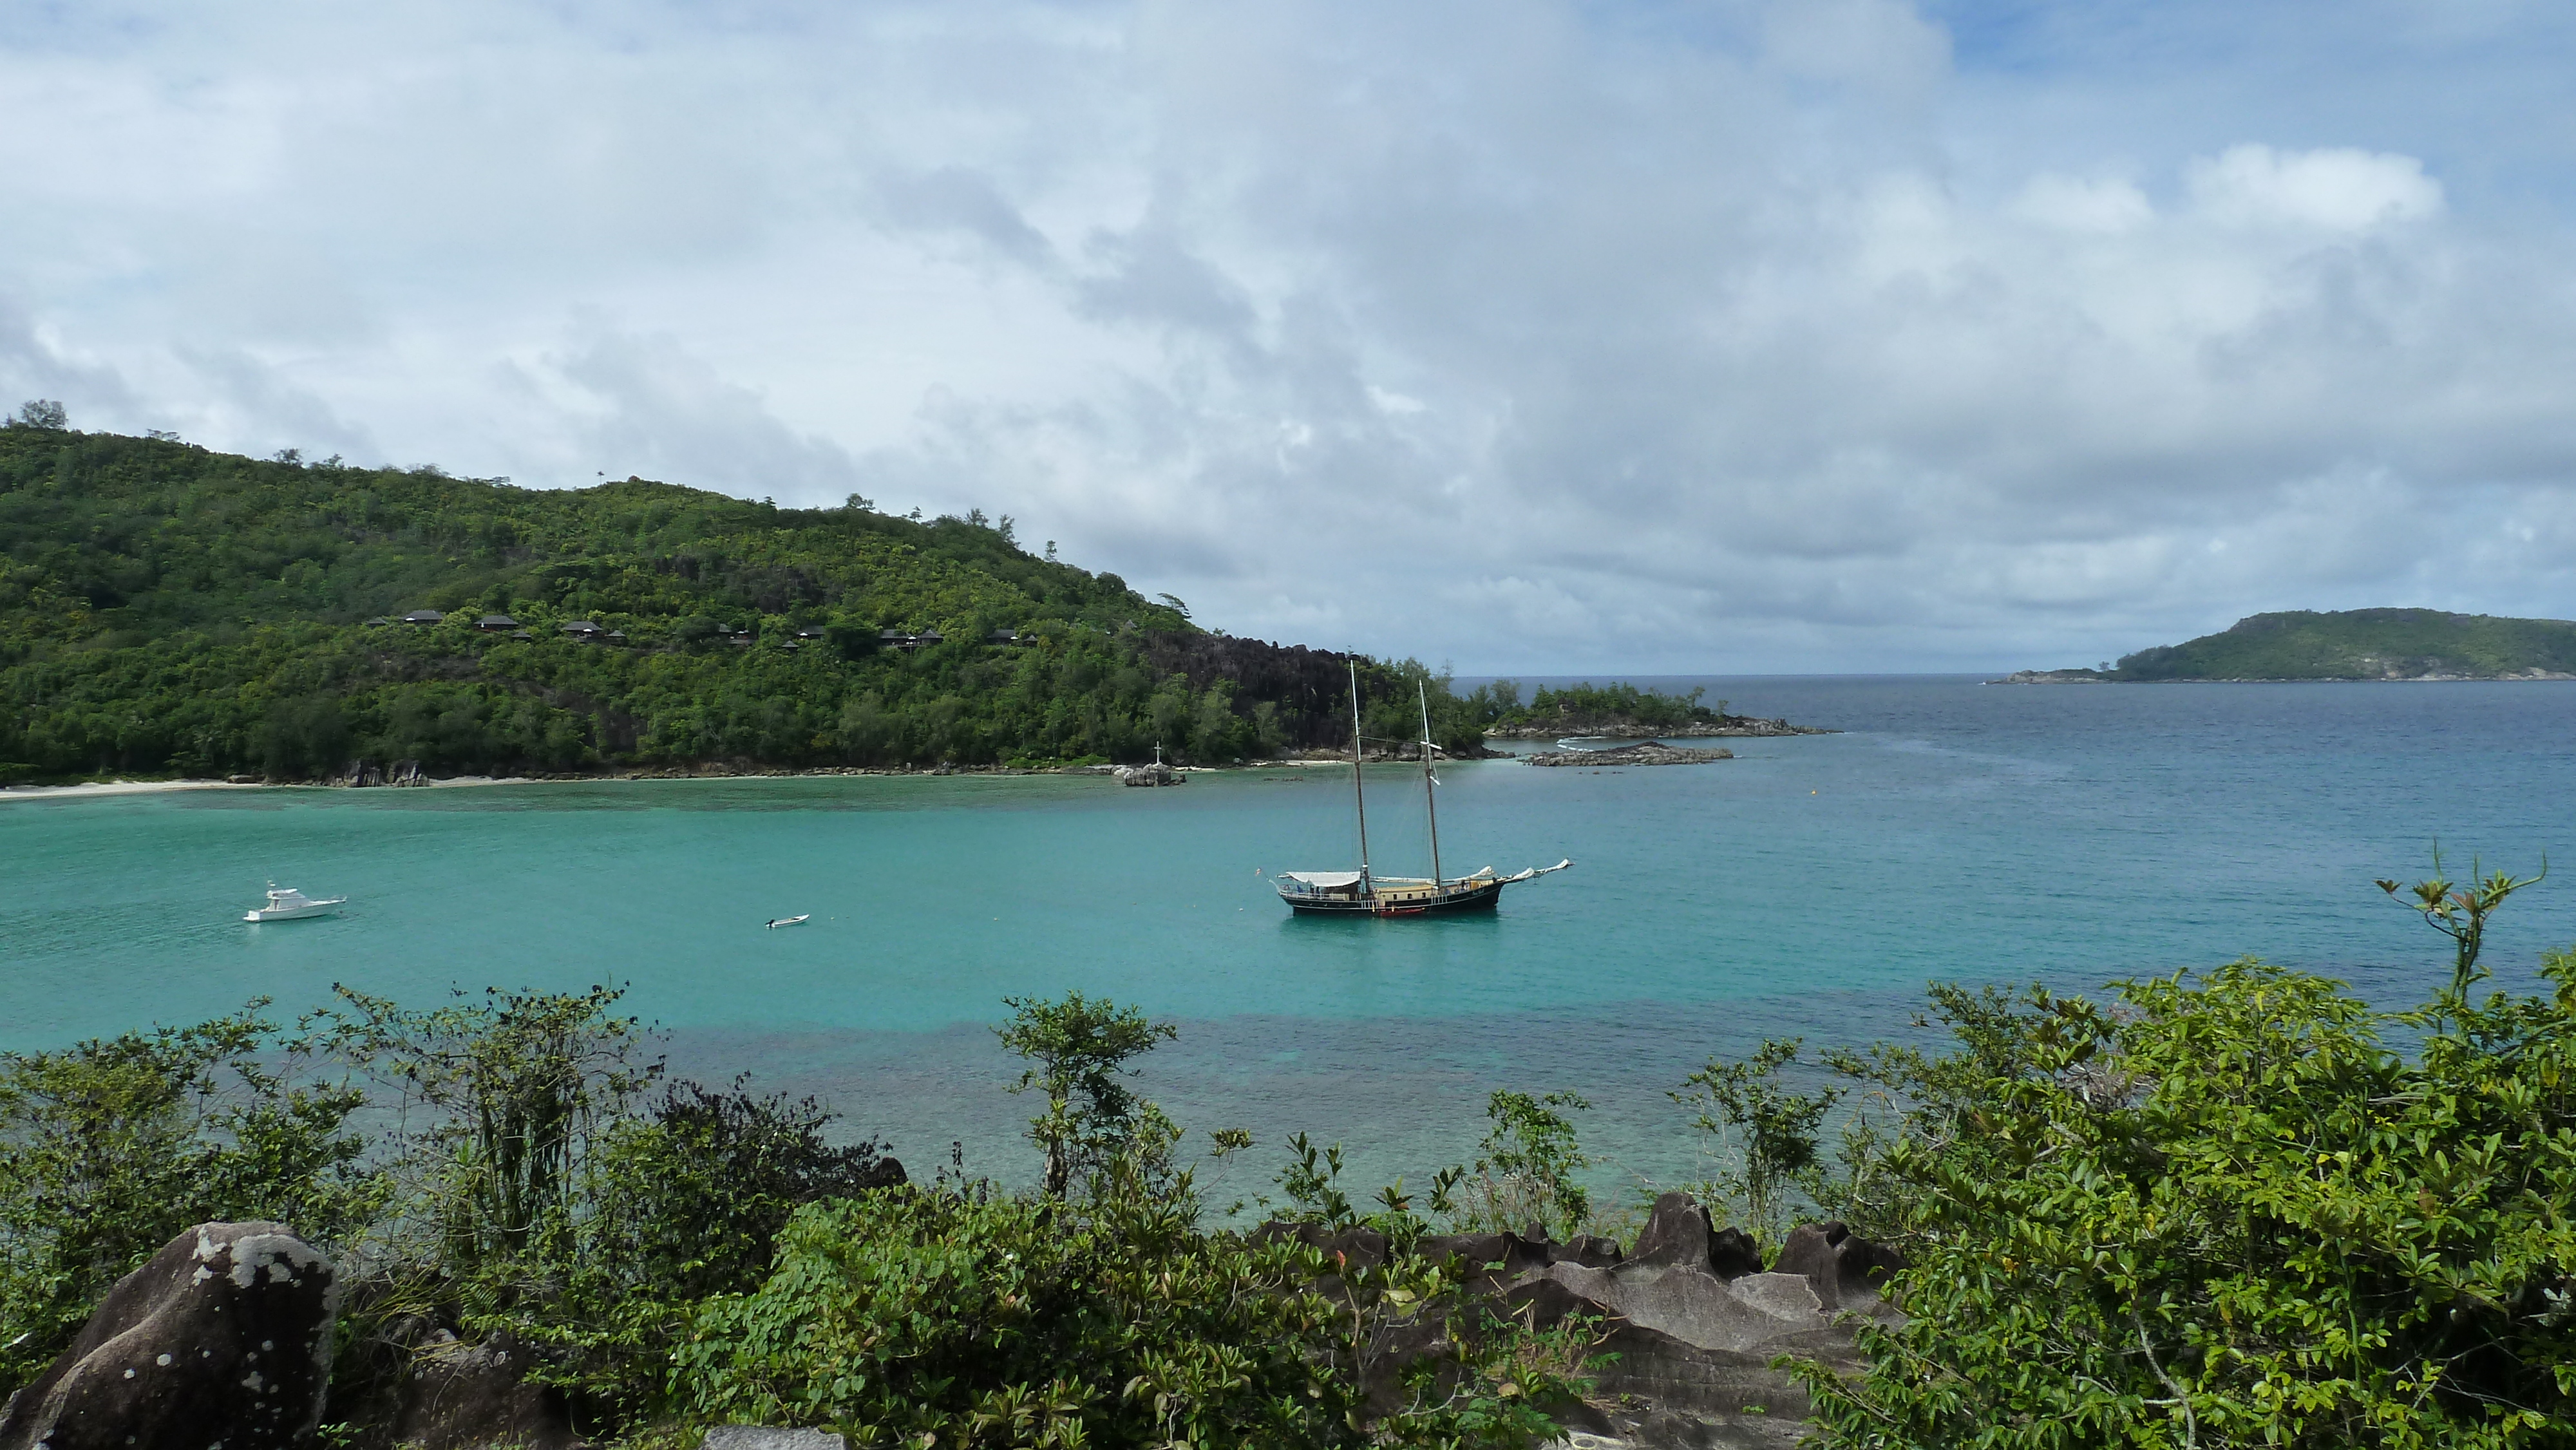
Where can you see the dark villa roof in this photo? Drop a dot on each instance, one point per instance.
(894, 634)
(929, 636)
(496, 621)
(1003, 636)
(521, 634)
(791, 644)
(581, 626)
(379, 619)
(618, 635)
(423, 616)
(741, 639)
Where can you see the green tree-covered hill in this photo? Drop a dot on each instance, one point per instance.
(165, 609)
(2354, 644)
(2364, 644)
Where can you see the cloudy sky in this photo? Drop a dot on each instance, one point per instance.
(1527, 336)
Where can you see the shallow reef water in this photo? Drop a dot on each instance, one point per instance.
(1809, 887)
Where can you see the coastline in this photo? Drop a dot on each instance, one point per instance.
(99, 790)
(2095, 677)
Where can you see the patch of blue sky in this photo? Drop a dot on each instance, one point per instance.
(2474, 90)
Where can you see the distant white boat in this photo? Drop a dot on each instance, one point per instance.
(285, 903)
(790, 921)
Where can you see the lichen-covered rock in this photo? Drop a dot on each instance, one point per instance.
(476, 1397)
(765, 1437)
(1357, 1249)
(1677, 1231)
(1654, 1391)
(1848, 1271)
(221, 1341)
(1756, 1314)
(1650, 752)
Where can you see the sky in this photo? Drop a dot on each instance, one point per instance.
(1518, 336)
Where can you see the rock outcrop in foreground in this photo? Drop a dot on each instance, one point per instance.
(1690, 1322)
(223, 1337)
(1611, 727)
(1651, 752)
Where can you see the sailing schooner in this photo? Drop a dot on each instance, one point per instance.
(1363, 892)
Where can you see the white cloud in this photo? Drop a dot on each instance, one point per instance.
(1524, 334)
(2338, 189)
(2077, 204)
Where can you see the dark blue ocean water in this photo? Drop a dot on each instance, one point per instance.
(2070, 834)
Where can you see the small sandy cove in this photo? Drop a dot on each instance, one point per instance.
(95, 789)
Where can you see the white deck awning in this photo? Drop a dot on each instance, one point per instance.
(1322, 878)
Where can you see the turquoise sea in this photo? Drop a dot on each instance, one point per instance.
(1809, 887)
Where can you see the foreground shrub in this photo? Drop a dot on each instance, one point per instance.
(681, 1202)
(928, 1317)
(2227, 1212)
(108, 1149)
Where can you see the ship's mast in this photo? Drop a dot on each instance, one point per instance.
(1430, 806)
(1359, 797)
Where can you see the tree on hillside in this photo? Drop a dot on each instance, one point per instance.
(43, 414)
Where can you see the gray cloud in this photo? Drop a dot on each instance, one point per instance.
(1529, 335)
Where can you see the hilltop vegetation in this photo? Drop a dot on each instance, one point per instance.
(1607, 709)
(165, 609)
(2357, 644)
(1620, 711)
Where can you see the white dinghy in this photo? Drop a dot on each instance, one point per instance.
(790, 921)
(285, 903)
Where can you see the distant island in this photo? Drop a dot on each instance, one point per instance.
(167, 611)
(2352, 644)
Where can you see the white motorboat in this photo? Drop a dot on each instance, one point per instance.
(790, 921)
(285, 903)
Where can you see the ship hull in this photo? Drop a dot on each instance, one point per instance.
(1452, 902)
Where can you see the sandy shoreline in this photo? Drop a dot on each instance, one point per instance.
(100, 790)
(113, 787)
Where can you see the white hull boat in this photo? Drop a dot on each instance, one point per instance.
(789, 921)
(285, 903)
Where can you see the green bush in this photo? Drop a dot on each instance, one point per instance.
(110, 1148)
(933, 1317)
(2230, 1210)
(1761, 1134)
(1077, 1050)
(679, 1203)
(1574, 707)
(1526, 1171)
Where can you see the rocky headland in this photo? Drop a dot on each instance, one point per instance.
(1621, 727)
(2053, 677)
(1650, 752)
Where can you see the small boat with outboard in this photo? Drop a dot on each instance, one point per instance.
(1364, 893)
(285, 903)
(790, 921)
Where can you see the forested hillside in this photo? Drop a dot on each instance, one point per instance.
(2364, 644)
(169, 610)
(2351, 644)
